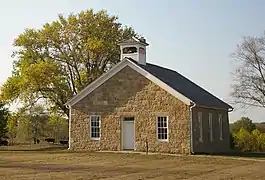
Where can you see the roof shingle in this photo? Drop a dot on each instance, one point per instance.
(184, 86)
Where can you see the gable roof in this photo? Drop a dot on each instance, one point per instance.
(169, 80)
(184, 86)
(135, 40)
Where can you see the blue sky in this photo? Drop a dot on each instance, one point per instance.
(193, 37)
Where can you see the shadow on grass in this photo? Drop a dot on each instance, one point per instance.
(238, 154)
(33, 148)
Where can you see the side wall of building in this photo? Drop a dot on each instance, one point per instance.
(217, 144)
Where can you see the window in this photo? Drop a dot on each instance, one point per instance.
(129, 50)
(141, 50)
(211, 126)
(220, 118)
(200, 125)
(162, 128)
(95, 127)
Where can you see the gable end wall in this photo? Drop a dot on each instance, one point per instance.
(128, 93)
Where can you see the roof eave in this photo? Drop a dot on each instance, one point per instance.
(228, 108)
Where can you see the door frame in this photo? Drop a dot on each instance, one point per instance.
(122, 121)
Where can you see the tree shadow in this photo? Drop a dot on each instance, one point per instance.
(238, 154)
(39, 149)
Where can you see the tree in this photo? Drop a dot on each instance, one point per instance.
(245, 123)
(3, 120)
(260, 127)
(12, 127)
(57, 61)
(251, 142)
(58, 127)
(249, 80)
(259, 140)
(37, 121)
(32, 123)
(243, 140)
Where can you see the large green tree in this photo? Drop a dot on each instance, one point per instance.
(57, 61)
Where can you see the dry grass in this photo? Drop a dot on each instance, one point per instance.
(60, 164)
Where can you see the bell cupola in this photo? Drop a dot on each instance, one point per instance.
(134, 48)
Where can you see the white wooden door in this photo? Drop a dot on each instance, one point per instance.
(128, 133)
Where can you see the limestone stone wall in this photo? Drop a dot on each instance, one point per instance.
(208, 146)
(130, 94)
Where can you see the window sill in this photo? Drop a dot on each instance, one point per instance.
(95, 139)
(162, 140)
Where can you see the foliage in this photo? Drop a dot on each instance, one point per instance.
(260, 127)
(232, 141)
(4, 113)
(245, 123)
(259, 140)
(12, 127)
(30, 125)
(249, 80)
(23, 129)
(57, 61)
(246, 141)
(58, 127)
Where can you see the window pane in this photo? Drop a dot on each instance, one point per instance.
(162, 130)
(165, 123)
(159, 122)
(96, 135)
(92, 135)
(159, 130)
(165, 136)
(162, 136)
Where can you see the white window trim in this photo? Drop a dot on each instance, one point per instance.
(220, 120)
(200, 126)
(162, 140)
(211, 126)
(90, 133)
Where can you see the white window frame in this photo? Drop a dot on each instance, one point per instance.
(220, 120)
(161, 116)
(211, 126)
(90, 124)
(200, 126)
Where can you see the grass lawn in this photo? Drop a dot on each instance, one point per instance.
(45, 162)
